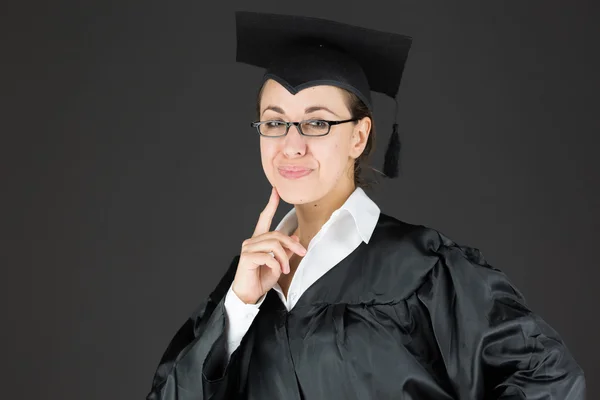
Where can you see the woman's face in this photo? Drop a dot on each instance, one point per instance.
(306, 169)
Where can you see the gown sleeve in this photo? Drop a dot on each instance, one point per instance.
(195, 364)
(492, 345)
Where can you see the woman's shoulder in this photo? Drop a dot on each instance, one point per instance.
(392, 231)
(426, 253)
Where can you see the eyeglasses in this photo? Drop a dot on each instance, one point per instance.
(311, 127)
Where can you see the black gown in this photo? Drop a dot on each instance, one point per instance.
(411, 315)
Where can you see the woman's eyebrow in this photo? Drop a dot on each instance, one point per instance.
(306, 111)
(317, 108)
(274, 108)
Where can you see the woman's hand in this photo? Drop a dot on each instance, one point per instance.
(257, 270)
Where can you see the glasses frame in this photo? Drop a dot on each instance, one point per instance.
(257, 125)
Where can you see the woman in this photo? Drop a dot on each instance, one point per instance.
(341, 301)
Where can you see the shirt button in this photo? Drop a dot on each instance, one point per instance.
(249, 316)
(293, 296)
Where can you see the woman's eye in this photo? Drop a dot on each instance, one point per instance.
(317, 124)
(274, 124)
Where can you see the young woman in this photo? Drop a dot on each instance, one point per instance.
(341, 301)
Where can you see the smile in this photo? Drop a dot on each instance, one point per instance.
(294, 173)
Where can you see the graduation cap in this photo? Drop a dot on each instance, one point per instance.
(300, 52)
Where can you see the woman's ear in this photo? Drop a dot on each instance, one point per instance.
(360, 135)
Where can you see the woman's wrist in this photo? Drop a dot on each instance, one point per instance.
(244, 298)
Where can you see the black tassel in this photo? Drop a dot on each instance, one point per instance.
(392, 154)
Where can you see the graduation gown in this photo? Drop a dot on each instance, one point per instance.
(410, 315)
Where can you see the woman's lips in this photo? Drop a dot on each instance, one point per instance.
(294, 172)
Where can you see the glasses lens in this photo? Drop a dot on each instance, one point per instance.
(315, 127)
(273, 128)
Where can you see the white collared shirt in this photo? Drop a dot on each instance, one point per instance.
(343, 232)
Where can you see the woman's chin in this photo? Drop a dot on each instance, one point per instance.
(297, 194)
(296, 198)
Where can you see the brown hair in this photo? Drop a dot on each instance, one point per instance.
(359, 110)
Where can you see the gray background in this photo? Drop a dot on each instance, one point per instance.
(130, 175)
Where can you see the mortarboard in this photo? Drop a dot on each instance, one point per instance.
(299, 52)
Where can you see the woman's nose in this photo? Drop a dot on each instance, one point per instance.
(294, 144)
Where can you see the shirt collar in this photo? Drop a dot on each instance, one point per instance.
(359, 205)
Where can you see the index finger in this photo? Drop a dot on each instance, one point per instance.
(266, 216)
